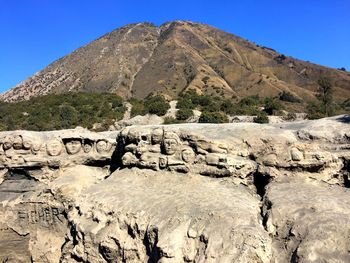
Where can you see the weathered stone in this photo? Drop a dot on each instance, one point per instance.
(308, 221)
(178, 193)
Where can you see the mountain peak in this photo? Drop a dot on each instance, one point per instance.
(179, 55)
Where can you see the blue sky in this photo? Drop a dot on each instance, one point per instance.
(34, 33)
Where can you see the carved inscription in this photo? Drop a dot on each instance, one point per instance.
(40, 214)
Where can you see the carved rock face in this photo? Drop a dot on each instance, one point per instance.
(36, 146)
(188, 155)
(101, 146)
(163, 162)
(87, 147)
(170, 146)
(54, 147)
(7, 144)
(17, 142)
(157, 136)
(73, 146)
(27, 143)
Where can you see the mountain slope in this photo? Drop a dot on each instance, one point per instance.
(141, 58)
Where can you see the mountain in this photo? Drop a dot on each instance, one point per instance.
(138, 59)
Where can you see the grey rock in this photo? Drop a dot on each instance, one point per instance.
(179, 193)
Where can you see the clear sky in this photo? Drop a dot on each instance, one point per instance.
(34, 33)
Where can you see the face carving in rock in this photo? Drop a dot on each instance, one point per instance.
(27, 143)
(36, 146)
(7, 144)
(170, 143)
(17, 142)
(188, 155)
(170, 146)
(134, 136)
(87, 147)
(157, 136)
(102, 146)
(163, 162)
(73, 146)
(54, 147)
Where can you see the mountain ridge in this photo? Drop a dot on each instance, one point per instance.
(140, 58)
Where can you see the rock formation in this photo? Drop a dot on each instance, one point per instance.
(179, 193)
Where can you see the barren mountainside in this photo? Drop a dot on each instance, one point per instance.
(137, 59)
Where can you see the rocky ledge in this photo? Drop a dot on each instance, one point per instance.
(179, 193)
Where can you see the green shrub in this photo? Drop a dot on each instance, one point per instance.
(202, 100)
(156, 104)
(250, 101)
(346, 106)
(315, 110)
(171, 120)
(271, 105)
(68, 116)
(184, 114)
(61, 111)
(289, 97)
(191, 100)
(280, 58)
(138, 108)
(261, 117)
(213, 117)
(229, 107)
(185, 103)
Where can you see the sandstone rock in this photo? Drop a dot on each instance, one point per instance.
(148, 119)
(177, 193)
(309, 225)
(177, 222)
(296, 154)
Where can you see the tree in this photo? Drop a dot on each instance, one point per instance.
(325, 94)
(156, 104)
(68, 116)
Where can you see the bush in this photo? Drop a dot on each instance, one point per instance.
(228, 107)
(156, 104)
(171, 120)
(280, 58)
(61, 111)
(271, 105)
(250, 101)
(185, 103)
(289, 97)
(68, 116)
(138, 108)
(261, 118)
(213, 117)
(315, 110)
(184, 114)
(346, 104)
(191, 100)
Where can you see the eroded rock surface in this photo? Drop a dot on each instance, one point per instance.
(180, 193)
(309, 225)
